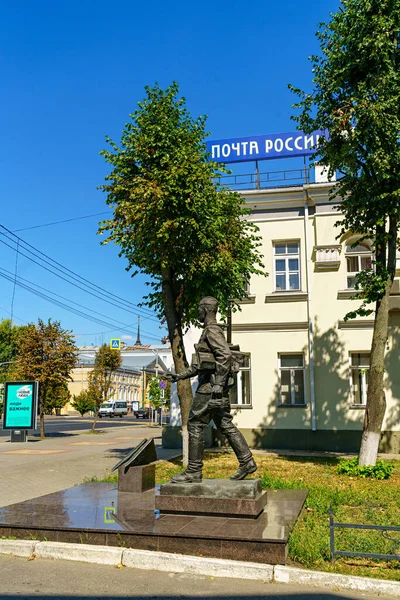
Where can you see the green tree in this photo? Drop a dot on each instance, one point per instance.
(107, 361)
(154, 392)
(9, 338)
(57, 397)
(174, 222)
(47, 354)
(83, 402)
(356, 97)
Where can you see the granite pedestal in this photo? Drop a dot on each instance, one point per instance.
(213, 497)
(96, 513)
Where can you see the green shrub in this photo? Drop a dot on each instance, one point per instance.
(83, 402)
(380, 470)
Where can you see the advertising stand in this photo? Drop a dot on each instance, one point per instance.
(20, 408)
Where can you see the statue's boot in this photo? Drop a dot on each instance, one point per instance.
(245, 469)
(187, 477)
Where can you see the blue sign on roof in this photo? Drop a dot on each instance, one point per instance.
(265, 147)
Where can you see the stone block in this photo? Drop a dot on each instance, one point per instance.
(136, 479)
(221, 497)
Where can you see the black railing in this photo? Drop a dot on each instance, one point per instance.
(382, 528)
(269, 179)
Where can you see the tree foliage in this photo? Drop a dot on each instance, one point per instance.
(154, 392)
(58, 395)
(171, 212)
(47, 354)
(107, 361)
(173, 221)
(9, 339)
(83, 402)
(356, 97)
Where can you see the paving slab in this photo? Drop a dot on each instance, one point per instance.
(40, 467)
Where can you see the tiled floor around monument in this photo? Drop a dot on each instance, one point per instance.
(97, 513)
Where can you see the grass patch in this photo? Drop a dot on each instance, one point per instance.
(105, 479)
(354, 500)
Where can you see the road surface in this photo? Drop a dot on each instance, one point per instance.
(42, 579)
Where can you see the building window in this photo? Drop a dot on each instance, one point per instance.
(359, 377)
(358, 259)
(240, 392)
(287, 266)
(291, 379)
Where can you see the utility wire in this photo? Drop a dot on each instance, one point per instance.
(59, 222)
(15, 316)
(18, 279)
(86, 282)
(95, 294)
(76, 311)
(15, 282)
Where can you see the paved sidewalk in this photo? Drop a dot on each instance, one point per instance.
(40, 467)
(57, 579)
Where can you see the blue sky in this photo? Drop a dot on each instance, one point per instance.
(72, 72)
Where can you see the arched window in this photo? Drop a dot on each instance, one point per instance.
(358, 258)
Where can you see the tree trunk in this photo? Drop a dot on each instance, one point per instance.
(376, 401)
(178, 353)
(95, 420)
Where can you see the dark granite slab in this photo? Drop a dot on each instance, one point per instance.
(136, 479)
(199, 505)
(143, 454)
(214, 488)
(97, 513)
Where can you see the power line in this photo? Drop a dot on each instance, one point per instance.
(145, 313)
(15, 316)
(19, 281)
(16, 278)
(60, 222)
(88, 283)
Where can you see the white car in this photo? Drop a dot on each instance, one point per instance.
(114, 408)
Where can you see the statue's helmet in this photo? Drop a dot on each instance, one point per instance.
(210, 303)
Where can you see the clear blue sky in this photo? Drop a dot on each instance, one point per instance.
(71, 72)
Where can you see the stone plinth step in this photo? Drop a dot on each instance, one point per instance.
(220, 497)
(214, 488)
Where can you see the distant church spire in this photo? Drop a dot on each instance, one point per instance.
(138, 342)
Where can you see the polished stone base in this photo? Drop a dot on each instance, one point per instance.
(213, 497)
(214, 488)
(96, 513)
(136, 479)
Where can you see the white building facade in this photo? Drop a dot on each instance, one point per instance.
(305, 379)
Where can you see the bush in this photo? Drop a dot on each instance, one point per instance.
(83, 402)
(380, 470)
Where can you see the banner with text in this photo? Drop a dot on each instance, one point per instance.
(265, 147)
(20, 405)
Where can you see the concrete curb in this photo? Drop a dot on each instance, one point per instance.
(179, 563)
(24, 548)
(294, 576)
(102, 555)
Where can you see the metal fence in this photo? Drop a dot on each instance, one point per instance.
(382, 528)
(268, 179)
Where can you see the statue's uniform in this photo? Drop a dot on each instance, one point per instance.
(204, 407)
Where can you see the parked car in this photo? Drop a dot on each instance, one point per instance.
(142, 413)
(114, 408)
